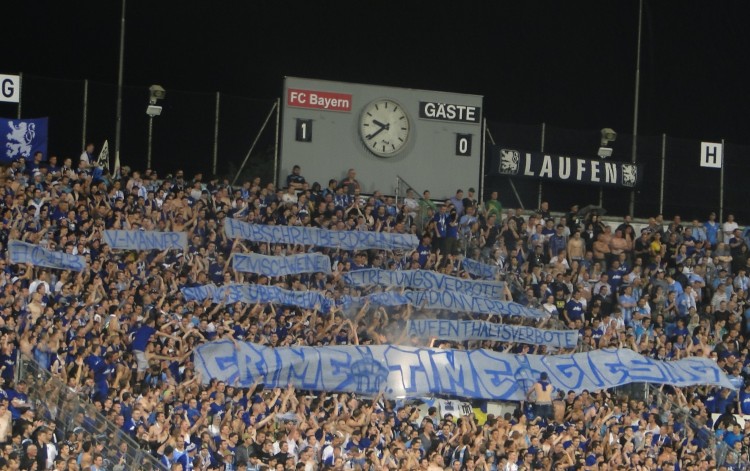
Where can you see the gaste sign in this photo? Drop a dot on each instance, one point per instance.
(449, 112)
(329, 101)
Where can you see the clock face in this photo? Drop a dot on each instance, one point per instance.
(384, 127)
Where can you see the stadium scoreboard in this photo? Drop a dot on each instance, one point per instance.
(432, 140)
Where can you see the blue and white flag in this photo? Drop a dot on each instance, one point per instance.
(424, 279)
(483, 330)
(447, 300)
(23, 138)
(346, 240)
(480, 269)
(409, 371)
(22, 252)
(281, 265)
(145, 240)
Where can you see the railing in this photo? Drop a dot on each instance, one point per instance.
(55, 402)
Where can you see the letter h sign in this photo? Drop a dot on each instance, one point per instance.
(711, 154)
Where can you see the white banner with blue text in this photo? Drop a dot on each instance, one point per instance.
(251, 294)
(145, 240)
(270, 265)
(346, 240)
(411, 371)
(22, 252)
(424, 279)
(447, 300)
(482, 330)
(199, 292)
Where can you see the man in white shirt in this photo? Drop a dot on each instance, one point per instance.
(728, 228)
(87, 156)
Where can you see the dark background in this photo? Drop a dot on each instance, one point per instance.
(570, 65)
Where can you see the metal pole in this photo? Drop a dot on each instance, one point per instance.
(257, 136)
(637, 97)
(721, 183)
(482, 163)
(85, 111)
(276, 143)
(20, 95)
(541, 148)
(663, 162)
(118, 118)
(216, 135)
(150, 139)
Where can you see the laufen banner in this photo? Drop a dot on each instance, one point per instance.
(600, 172)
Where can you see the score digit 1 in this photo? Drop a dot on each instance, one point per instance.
(303, 131)
(463, 145)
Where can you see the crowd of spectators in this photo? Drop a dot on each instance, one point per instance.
(121, 335)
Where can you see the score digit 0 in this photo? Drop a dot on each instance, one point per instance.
(463, 145)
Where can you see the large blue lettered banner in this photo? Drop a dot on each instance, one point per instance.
(447, 300)
(22, 252)
(424, 279)
(347, 240)
(483, 330)
(22, 138)
(279, 266)
(480, 269)
(411, 371)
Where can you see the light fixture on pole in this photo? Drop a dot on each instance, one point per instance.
(156, 93)
(608, 135)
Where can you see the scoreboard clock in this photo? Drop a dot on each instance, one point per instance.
(384, 127)
(426, 139)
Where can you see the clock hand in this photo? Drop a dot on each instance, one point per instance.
(370, 136)
(386, 126)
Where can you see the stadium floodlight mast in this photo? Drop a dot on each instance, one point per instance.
(156, 93)
(608, 135)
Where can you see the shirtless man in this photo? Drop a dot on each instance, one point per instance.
(542, 390)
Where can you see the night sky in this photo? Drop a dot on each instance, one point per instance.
(570, 64)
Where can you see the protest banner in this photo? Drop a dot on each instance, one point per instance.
(424, 279)
(145, 240)
(199, 293)
(22, 252)
(281, 265)
(346, 240)
(252, 294)
(447, 300)
(481, 330)
(400, 372)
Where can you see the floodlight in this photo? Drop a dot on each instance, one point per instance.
(156, 92)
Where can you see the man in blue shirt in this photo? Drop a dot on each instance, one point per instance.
(573, 308)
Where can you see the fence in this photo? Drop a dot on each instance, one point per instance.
(196, 126)
(54, 401)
